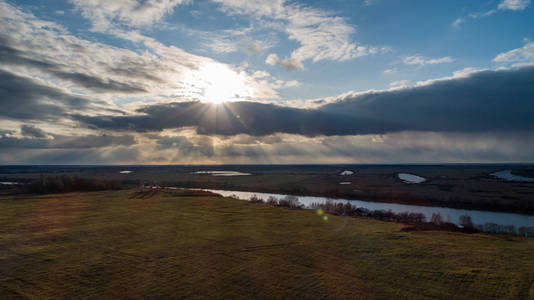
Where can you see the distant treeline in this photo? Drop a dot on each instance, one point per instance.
(417, 220)
(64, 183)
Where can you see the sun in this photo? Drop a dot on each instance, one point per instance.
(219, 83)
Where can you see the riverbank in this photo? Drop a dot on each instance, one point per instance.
(113, 243)
(441, 218)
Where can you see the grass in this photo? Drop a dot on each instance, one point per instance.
(115, 244)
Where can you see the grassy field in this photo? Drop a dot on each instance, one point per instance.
(120, 245)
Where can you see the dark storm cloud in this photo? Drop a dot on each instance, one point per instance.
(500, 100)
(483, 101)
(80, 156)
(97, 84)
(12, 56)
(93, 141)
(25, 98)
(32, 131)
(67, 142)
(234, 118)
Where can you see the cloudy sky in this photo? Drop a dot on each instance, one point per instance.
(252, 81)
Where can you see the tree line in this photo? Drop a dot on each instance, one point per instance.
(417, 220)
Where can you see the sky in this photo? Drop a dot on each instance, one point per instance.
(266, 82)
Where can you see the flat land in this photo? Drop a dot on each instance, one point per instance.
(459, 186)
(121, 244)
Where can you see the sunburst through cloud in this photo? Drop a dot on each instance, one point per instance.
(283, 149)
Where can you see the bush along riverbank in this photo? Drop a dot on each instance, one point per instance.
(417, 221)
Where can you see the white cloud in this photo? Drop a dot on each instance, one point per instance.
(320, 34)
(157, 73)
(134, 13)
(221, 45)
(462, 73)
(514, 4)
(421, 60)
(390, 71)
(477, 15)
(399, 83)
(441, 60)
(457, 22)
(252, 46)
(292, 83)
(524, 54)
(483, 14)
(503, 5)
(260, 74)
(232, 40)
(289, 63)
(465, 72)
(414, 60)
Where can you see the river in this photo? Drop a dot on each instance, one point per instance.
(448, 214)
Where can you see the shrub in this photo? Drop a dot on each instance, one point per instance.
(510, 229)
(290, 201)
(526, 231)
(491, 227)
(255, 199)
(272, 200)
(416, 219)
(361, 211)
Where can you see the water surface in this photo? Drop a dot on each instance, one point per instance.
(507, 175)
(410, 178)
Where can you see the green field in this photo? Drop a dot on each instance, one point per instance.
(114, 245)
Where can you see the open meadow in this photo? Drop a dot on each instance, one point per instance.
(183, 244)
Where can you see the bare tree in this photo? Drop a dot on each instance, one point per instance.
(466, 221)
(436, 219)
